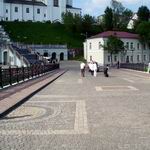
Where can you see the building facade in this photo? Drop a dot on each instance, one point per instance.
(53, 52)
(35, 10)
(135, 51)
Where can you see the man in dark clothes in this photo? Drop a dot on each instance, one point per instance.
(106, 71)
(118, 65)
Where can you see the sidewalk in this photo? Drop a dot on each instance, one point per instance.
(14, 96)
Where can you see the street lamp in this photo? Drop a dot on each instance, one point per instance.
(133, 49)
(86, 35)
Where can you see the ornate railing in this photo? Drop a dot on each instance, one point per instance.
(10, 76)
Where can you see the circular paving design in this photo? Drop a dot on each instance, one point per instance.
(26, 113)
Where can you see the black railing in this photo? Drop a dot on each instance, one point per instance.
(138, 66)
(10, 75)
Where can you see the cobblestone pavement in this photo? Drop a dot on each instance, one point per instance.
(91, 113)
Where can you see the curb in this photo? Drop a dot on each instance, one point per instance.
(20, 102)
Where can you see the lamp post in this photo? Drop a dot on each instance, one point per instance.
(86, 35)
(132, 53)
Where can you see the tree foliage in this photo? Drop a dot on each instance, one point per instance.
(143, 14)
(114, 45)
(108, 19)
(80, 24)
(143, 29)
(116, 17)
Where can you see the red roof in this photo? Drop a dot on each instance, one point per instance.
(118, 34)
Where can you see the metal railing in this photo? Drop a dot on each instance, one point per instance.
(137, 66)
(10, 76)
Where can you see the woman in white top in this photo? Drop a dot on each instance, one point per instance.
(95, 69)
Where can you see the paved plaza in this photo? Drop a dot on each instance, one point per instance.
(76, 113)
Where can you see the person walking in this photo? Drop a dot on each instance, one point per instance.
(82, 68)
(95, 69)
(118, 64)
(91, 68)
(106, 71)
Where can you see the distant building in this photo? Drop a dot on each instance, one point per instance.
(53, 52)
(135, 52)
(132, 21)
(35, 10)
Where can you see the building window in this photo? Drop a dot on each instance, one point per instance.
(90, 46)
(127, 45)
(138, 58)
(27, 10)
(44, 15)
(99, 45)
(6, 18)
(131, 46)
(144, 46)
(16, 9)
(38, 11)
(115, 58)
(138, 46)
(144, 58)
(6, 10)
(56, 3)
(108, 58)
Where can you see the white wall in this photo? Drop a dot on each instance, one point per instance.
(27, 16)
(52, 13)
(101, 56)
(1, 9)
(50, 51)
(39, 17)
(12, 59)
(94, 50)
(69, 2)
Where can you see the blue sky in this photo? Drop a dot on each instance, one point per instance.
(97, 7)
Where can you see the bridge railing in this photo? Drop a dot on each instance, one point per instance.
(10, 76)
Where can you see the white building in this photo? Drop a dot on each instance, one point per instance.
(59, 52)
(135, 52)
(35, 10)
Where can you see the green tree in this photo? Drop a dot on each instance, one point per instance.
(143, 14)
(108, 19)
(87, 22)
(68, 21)
(125, 18)
(143, 29)
(77, 22)
(113, 46)
(121, 15)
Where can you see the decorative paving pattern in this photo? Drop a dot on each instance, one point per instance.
(115, 88)
(45, 118)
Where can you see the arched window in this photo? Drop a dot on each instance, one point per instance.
(61, 56)
(45, 54)
(56, 3)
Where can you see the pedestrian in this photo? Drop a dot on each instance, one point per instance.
(91, 68)
(82, 68)
(148, 69)
(95, 69)
(106, 71)
(118, 64)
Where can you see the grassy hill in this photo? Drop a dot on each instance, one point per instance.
(42, 33)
